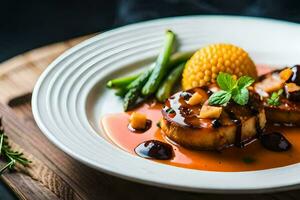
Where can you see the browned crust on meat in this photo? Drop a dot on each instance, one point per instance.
(288, 112)
(212, 138)
(283, 115)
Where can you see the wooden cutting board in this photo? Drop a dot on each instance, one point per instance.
(53, 174)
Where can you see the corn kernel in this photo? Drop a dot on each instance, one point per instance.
(138, 120)
(210, 112)
(212, 59)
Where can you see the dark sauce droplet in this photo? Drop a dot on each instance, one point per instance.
(259, 130)
(186, 95)
(238, 132)
(216, 123)
(255, 112)
(155, 149)
(207, 90)
(254, 108)
(171, 113)
(275, 141)
(295, 78)
(147, 127)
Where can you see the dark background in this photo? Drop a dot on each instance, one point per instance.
(25, 25)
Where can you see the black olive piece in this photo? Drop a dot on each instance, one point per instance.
(275, 141)
(155, 149)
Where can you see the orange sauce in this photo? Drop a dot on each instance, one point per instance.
(251, 157)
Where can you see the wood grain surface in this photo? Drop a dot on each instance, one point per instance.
(53, 174)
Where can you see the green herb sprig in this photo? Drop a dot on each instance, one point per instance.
(274, 100)
(231, 89)
(6, 153)
(248, 159)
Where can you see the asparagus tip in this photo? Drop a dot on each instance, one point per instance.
(109, 84)
(169, 31)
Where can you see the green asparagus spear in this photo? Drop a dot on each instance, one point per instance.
(161, 65)
(134, 90)
(121, 92)
(132, 96)
(167, 85)
(121, 82)
(141, 80)
(178, 58)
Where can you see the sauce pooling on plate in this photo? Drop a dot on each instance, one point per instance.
(255, 156)
(231, 159)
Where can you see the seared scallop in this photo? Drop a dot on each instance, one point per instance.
(204, 127)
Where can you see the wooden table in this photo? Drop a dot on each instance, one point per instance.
(53, 174)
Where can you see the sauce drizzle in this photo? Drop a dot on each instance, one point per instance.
(238, 133)
(154, 149)
(229, 159)
(251, 157)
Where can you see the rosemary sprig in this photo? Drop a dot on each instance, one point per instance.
(6, 153)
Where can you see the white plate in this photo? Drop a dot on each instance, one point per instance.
(70, 96)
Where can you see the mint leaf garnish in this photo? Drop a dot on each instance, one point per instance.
(244, 81)
(219, 98)
(248, 159)
(225, 81)
(274, 100)
(231, 89)
(241, 96)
